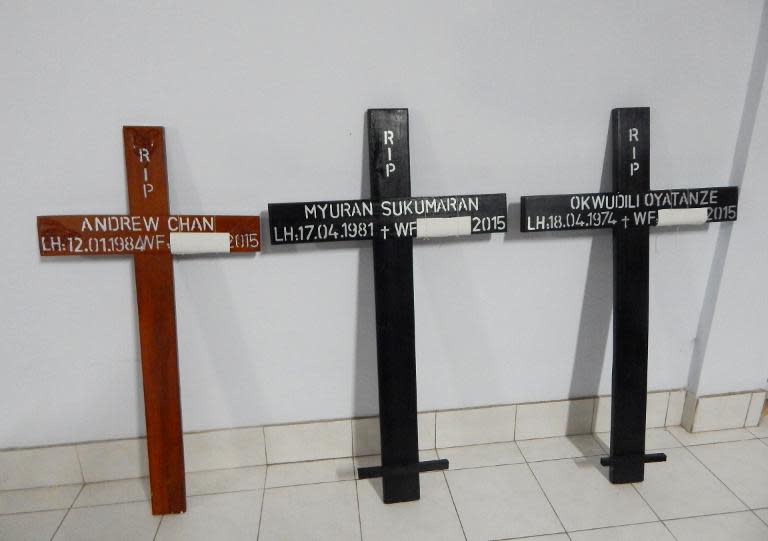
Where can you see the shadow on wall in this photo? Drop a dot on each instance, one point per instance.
(739, 164)
(366, 393)
(595, 317)
(596, 309)
(225, 337)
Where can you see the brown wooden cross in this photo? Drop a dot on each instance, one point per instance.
(152, 235)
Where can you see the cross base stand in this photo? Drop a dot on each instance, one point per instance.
(407, 491)
(629, 468)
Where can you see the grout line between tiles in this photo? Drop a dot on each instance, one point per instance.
(546, 496)
(435, 431)
(67, 513)
(455, 508)
(359, 515)
(634, 485)
(10, 490)
(534, 536)
(261, 509)
(514, 428)
(746, 413)
(157, 530)
(678, 440)
(666, 409)
(754, 512)
(616, 526)
(354, 478)
(189, 496)
(305, 484)
(3, 515)
(710, 515)
(80, 463)
(758, 516)
(721, 481)
(568, 534)
(266, 458)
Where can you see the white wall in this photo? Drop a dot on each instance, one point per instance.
(265, 104)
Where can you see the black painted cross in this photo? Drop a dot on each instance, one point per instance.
(630, 209)
(390, 219)
(152, 235)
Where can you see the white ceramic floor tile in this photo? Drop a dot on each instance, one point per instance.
(30, 526)
(560, 447)
(108, 492)
(501, 502)
(38, 499)
(222, 517)
(763, 514)
(584, 498)
(219, 481)
(46, 466)
(475, 426)
(761, 430)
(655, 439)
(550, 419)
(323, 511)
(224, 449)
(675, 408)
(120, 522)
(305, 473)
(683, 487)
(488, 454)
(375, 460)
(732, 527)
(111, 460)
(652, 531)
(742, 466)
(705, 438)
(433, 517)
(309, 441)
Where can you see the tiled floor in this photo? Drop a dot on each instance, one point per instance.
(714, 486)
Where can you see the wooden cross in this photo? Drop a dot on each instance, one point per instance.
(151, 235)
(391, 218)
(629, 210)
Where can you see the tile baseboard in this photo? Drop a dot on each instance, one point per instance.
(722, 411)
(343, 438)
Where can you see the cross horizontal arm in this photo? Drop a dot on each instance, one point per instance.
(130, 234)
(624, 210)
(391, 218)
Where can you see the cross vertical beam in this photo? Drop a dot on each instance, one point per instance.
(390, 219)
(630, 209)
(152, 236)
(389, 163)
(631, 150)
(147, 179)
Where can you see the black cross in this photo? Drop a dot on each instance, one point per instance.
(390, 219)
(629, 210)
